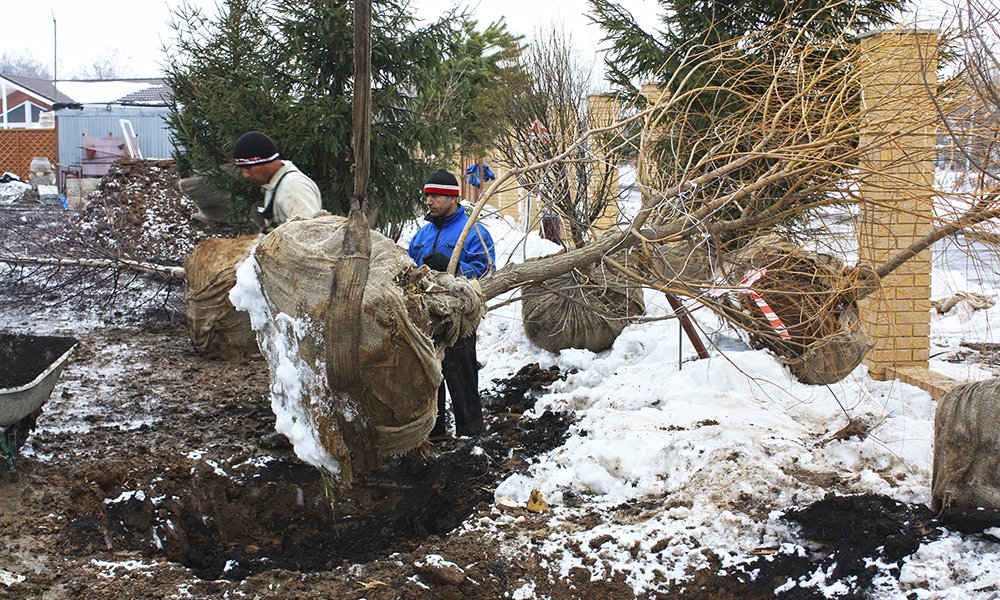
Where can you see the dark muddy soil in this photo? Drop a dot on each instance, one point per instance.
(25, 357)
(150, 453)
(854, 537)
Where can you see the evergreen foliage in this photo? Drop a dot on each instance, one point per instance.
(637, 55)
(710, 50)
(286, 68)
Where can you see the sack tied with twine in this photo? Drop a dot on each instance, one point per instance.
(216, 328)
(408, 316)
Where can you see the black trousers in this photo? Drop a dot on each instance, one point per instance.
(461, 375)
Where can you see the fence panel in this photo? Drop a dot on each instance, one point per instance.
(19, 146)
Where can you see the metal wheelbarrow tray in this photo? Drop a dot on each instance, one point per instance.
(33, 365)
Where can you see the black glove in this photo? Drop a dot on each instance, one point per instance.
(436, 261)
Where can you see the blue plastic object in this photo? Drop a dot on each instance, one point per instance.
(477, 177)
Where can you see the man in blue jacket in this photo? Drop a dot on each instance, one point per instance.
(433, 246)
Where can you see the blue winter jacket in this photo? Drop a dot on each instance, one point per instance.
(440, 235)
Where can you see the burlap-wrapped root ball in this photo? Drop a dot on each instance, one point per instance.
(408, 315)
(967, 448)
(216, 328)
(815, 296)
(581, 309)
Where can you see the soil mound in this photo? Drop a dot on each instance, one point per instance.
(852, 540)
(138, 211)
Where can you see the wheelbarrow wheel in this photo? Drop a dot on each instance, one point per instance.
(14, 437)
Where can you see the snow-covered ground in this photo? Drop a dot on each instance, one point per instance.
(728, 440)
(728, 436)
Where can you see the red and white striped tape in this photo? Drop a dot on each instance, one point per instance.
(743, 287)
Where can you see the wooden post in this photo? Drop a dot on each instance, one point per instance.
(361, 139)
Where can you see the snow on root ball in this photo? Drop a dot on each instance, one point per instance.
(408, 316)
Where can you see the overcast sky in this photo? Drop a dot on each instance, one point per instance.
(136, 30)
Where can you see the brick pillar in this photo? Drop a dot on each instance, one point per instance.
(896, 70)
(647, 172)
(602, 111)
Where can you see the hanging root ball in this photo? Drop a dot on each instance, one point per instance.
(347, 404)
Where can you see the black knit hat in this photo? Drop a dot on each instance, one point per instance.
(254, 148)
(442, 182)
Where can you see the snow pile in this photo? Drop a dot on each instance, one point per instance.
(12, 188)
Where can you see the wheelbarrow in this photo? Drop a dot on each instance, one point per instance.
(33, 364)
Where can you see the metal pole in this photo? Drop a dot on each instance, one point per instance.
(687, 325)
(680, 347)
(55, 62)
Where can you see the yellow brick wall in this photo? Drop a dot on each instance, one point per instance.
(602, 111)
(897, 71)
(649, 175)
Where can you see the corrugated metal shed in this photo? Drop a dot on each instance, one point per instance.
(149, 123)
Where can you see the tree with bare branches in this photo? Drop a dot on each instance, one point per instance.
(790, 144)
(540, 111)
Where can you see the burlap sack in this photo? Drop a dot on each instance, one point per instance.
(834, 357)
(409, 315)
(814, 295)
(579, 310)
(216, 328)
(967, 447)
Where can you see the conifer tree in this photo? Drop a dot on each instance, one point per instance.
(286, 68)
(705, 52)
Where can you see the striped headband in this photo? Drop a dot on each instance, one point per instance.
(254, 160)
(441, 188)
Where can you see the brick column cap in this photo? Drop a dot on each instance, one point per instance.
(898, 31)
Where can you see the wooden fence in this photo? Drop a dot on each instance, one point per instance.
(19, 146)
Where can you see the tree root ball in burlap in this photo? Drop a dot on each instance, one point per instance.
(814, 295)
(408, 315)
(216, 328)
(579, 310)
(833, 357)
(967, 447)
